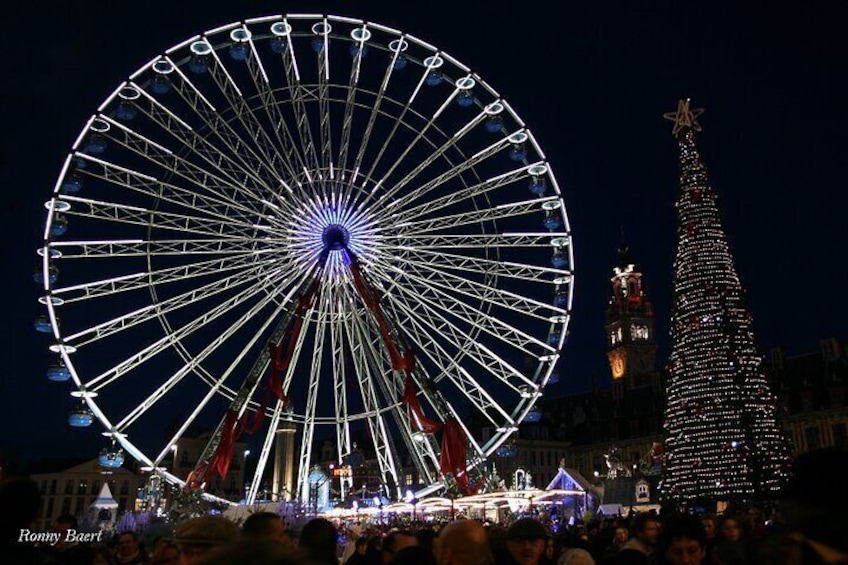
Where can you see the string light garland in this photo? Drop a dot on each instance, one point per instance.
(723, 441)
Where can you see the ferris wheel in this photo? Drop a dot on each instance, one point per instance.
(310, 223)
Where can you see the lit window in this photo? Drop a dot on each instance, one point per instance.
(639, 332)
(615, 336)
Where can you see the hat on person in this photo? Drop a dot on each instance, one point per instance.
(526, 528)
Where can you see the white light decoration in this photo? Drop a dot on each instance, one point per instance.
(717, 397)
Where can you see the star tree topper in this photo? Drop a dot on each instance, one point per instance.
(684, 117)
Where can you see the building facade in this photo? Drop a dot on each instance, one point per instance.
(72, 489)
(811, 393)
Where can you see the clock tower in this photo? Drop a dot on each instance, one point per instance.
(631, 345)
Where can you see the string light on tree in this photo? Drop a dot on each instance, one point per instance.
(722, 438)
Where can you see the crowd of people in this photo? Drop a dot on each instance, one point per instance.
(807, 530)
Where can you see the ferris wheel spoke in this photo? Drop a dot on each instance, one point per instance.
(476, 216)
(134, 281)
(311, 402)
(324, 106)
(371, 364)
(429, 207)
(387, 457)
(210, 394)
(264, 453)
(275, 417)
(195, 361)
(152, 187)
(490, 325)
(224, 159)
(243, 153)
(438, 153)
(473, 391)
(143, 248)
(474, 240)
(340, 377)
(298, 93)
(162, 344)
(479, 353)
(135, 215)
(440, 297)
(430, 275)
(419, 375)
(217, 177)
(448, 366)
(372, 118)
(298, 351)
(399, 119)
(161, 308)
(264, 150)
(468, 164)
(293, 161)
(480, 265)
(347, 119)
(479, 454)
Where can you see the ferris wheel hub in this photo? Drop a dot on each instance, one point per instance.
(335, 237)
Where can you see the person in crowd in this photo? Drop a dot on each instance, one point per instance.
(374, 549)
(414, 555)
(318, 542)
(351, 537)
(427, 538)
(709, 523)
(549, 556)
(813, 508)
(68, 550)
(525, 542)
(396, 541)
(619, 538)
(576, 556)
(198, 536)
(684, 540)
(129, 551)
(464, 542)
(19, 500)
(639, 549)
(731, 549)
(265, 526)
(165, 552)
(359, 556)
(252, 552)
(61, 525)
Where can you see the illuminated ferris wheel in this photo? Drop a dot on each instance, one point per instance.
(313, 223)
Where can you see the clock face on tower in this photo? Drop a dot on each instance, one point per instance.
(617, 365)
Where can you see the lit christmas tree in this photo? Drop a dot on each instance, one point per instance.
(722, 438)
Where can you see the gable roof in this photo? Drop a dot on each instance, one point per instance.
(104, 499)
(91, 466)
(569, 479)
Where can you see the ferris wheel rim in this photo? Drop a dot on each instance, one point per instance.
(419, 269)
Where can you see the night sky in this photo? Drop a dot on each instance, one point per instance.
(591, 80)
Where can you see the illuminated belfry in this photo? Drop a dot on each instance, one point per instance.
(631, 344)
(722, 439)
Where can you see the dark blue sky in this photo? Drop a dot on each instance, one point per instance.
(592, 81)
